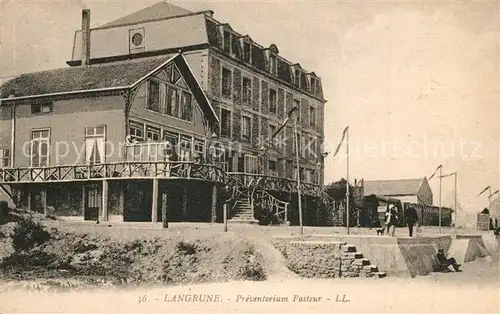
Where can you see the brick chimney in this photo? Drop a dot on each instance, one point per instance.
(85, 37)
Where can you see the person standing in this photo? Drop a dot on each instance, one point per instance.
(391, 219)
(411, 218)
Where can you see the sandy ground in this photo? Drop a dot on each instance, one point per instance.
(475, 290)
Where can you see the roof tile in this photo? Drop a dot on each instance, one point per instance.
(109, 75)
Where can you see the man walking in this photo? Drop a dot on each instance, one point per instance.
(411, 218)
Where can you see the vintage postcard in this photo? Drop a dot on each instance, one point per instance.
(249, 156)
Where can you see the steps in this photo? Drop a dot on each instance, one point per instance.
(354, 264)
(242, 213)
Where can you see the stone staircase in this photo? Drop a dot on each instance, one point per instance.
(242, 212)
(354, 264)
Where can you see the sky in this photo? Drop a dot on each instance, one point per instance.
(416, 82)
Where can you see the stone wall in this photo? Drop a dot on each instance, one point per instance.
(324, 259)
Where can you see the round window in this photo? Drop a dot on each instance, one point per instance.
(137, 39)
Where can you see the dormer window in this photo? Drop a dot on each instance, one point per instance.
(297, 77)
(273, 65)
(314, 83)
(41, 108)
(247, 52)
(227, 41)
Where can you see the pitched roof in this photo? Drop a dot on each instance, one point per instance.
(108, 75)
(157, 11)
(392, 187)
(122, 74)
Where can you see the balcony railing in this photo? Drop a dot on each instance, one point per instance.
(149, 170)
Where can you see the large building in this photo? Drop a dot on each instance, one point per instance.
(163, 104)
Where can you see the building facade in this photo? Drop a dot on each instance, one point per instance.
(162, 108)
(251, 87)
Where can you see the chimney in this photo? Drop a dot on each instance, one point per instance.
(85, 37)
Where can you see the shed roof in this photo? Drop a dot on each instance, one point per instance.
(392, 187)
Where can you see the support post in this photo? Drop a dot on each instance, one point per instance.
(456, 174)
(440, 182)
(43, 197)
(347, 194)
(298, 174)
(121, 199)
(214, 204)
(104, 200)
(164, 210)
(225, 217)
(84, 201)
(30, 201)
(154, 202)
(185, 202)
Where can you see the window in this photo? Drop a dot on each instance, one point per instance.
(273, 167)
(272, 101)
(311, 147)
(41, 108)
(136, 130)
(152, 133)
(4, 157)
(273, 65)
(296, 103)
(247, 90)
(226, 82)
(199, 146)
(172, 101)
(301, 144)
(247, 49)
(186, 106)
(312, 116)
(225, 128)
(154, 96)
(40, 148)
(251, 164)
(227, 41)
(185, 149)
(313, 85)
(308, 176)
(297, 77)
(272, 130)
(171, 139)
(246, 128)
(95, 146)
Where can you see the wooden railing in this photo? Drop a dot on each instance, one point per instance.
(277, 207)
(115, 170)
(152, 169)
(278, 183)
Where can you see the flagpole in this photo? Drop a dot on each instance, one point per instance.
(456, 174)
(440, 182)
(298, 174)
(347, 182)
